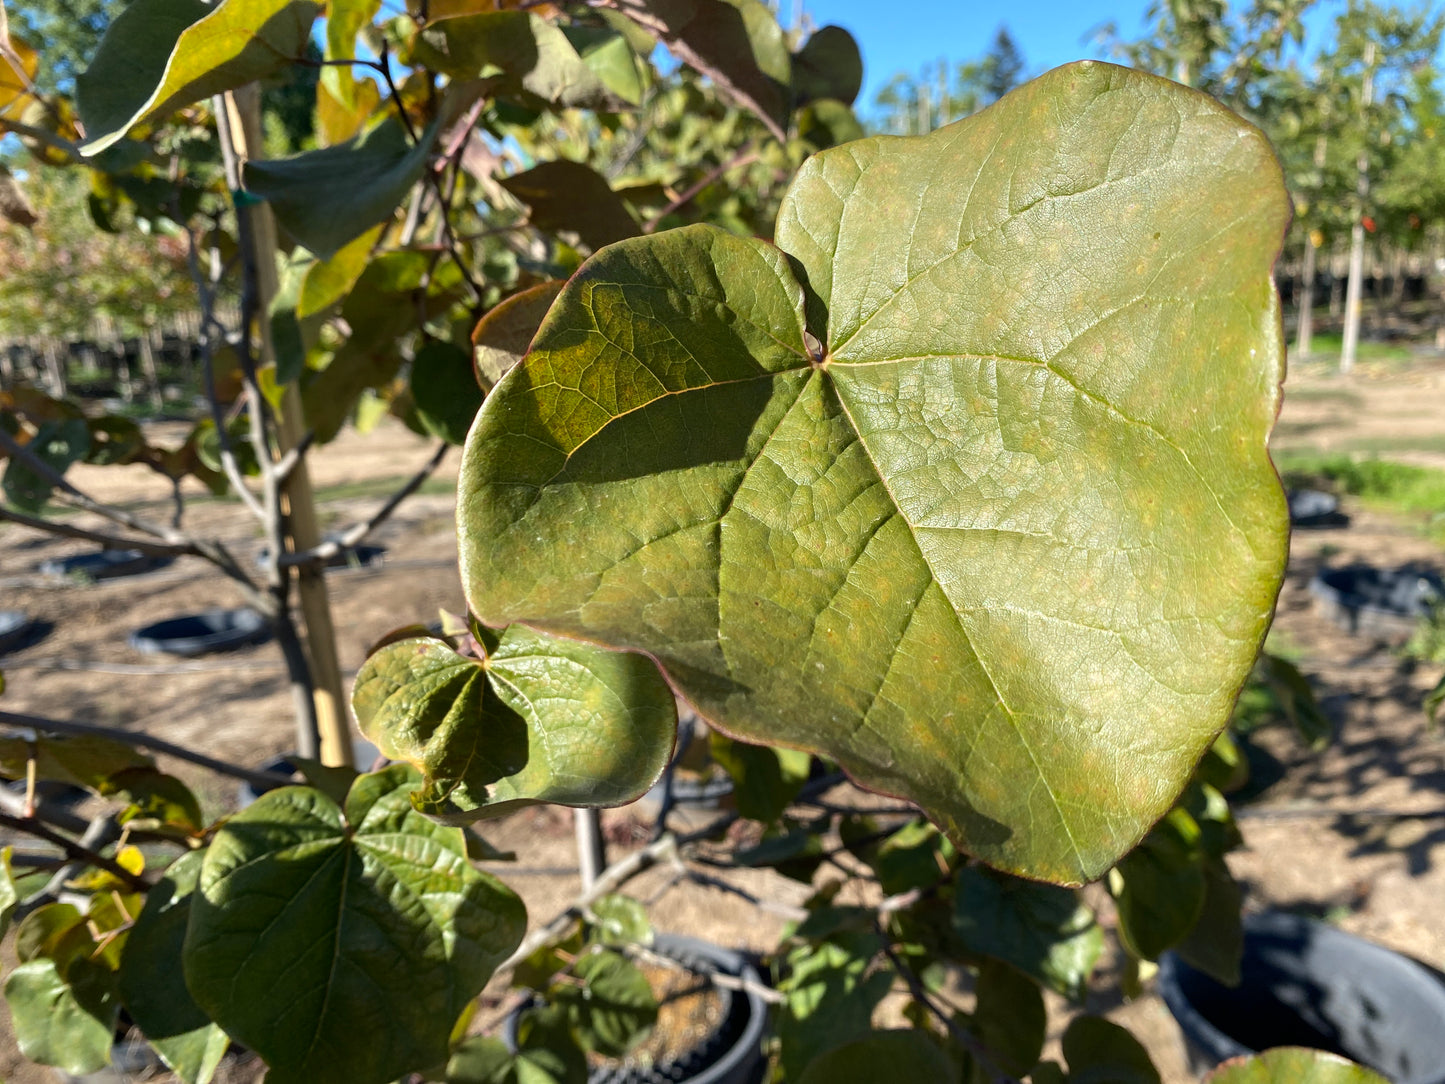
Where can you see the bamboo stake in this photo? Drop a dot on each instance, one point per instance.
(243, 116)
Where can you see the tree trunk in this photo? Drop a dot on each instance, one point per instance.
(1304, 335)
(55, 369)
(152, 374)
(1357, 231)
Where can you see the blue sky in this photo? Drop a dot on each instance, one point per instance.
(899, 35)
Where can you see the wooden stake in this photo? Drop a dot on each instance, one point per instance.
(243, 115)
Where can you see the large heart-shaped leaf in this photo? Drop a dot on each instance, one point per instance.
(539, 720)
(315, 924)
(966, 486)
(158, 55)
(67, 1021)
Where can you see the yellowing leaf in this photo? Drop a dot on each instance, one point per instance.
(158, 55)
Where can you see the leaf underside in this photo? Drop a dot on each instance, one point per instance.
(964, 485)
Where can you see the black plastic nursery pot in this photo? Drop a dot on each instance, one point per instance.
(1304, 983)
(103, 564)
(202, 633)
(1386, 603)
(731, 1054)
(1314, 509)
(18, 629)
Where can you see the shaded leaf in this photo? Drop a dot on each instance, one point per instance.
(611, 58)
(154, 798)
(54, 930)
(1292, 1065)
(765, 778)
(738, 44)
(1296, 700)
(903, 1055)
(915, 856)
(1215, 945)
(828, 65)
(826, 123)
(82, 760)
(152, 984)
(1044, 931)
(615, 1009)
(825, 546)
(67, 1024)
(158, 55)
(369, 913)
(328, 197)
(58, 444)
(444, 387)
(1010, 1019)
(566, 195)
(541, 720)
(794, 851)
(502, 336)
(1161, 886)
(521, 50)
(1100, 1052)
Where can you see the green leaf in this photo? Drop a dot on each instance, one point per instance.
(151, 981)
(737, 44)
(1010, 1019)
(69, 1025)
(445, 389)
(765, 779)
(503, 335)
(547, 1054)
(615, 1009)
(565, 195)
(1432, 702)
(1215, 945)
(155, 799)
(54, 930)
(368, 916)
(903, 1055)
(1163, 886)
(1296, 700)
(829, 65)
(540, 720)
(611, 59)
(620, 920)
(82, 760)
(1044, 931)
(1292, 1065)
(826, 123)
(344, 20)
(522, 51)
(158, 55)
(915, 856)
(829, 994)
(1100, 1052)
(9, 896)
(902, 546)
(795, 851)
(57, 444)
(482, 1060)
(328, 197)
(328, 281)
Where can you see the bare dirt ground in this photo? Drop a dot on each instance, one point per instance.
(1355, 832)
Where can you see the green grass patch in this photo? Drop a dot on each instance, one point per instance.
(1332, 344)
(1381, 483)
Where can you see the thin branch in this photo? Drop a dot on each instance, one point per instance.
(744, 157)
(287, 464)
(144, 741)
(229, 464)
(50, 139)
(791, 912)
(353, 535)
(722, 979)
(109, 541)
(70, 494)
(384, 67)
(34, 827)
